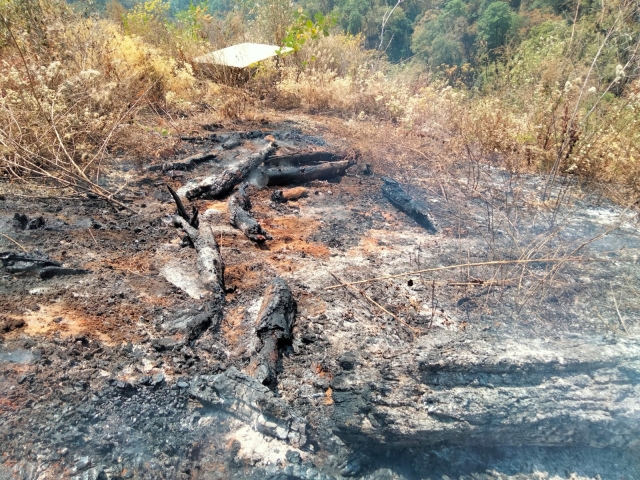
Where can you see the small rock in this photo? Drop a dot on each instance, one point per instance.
(82, 463)
(293, 457)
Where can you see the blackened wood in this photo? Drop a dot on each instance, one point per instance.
(184, 164)
(193, 218)
(218, 186)
(289, 175)
(273, 327)
(240, 217)
(403, 202)
(310, 157)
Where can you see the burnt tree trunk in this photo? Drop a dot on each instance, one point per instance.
(298, 159)
(286, 175)
(403, 202)
(240, 217)
(217, 186)
(274, 326)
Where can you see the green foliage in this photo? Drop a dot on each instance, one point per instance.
(305, 29)
(190, 23)
(494, 25)
(145, 16)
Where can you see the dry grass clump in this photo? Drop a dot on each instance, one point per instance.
(72, 86)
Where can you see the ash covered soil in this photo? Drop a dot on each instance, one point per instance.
(524, 368)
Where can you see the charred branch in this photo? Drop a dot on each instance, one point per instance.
(36, 263)
(193, 218)
(274, 326)
(403, 202)
(241, 218)
(217, 186)
(286, 175)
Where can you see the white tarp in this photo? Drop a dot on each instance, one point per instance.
(242, 55)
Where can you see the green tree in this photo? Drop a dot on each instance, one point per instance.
(494, 25)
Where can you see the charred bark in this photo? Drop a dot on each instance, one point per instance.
(240, 217)
(299, 159)
(286, 175)
(403, 202)
(274, 326)
(193, 218)
(217, 186)
(184, 164)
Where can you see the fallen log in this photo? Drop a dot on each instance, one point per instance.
(184, 164)
(240, 217)
(274, 326)
(288, 175)
(217, 186)
(403, 202)
(298, 159)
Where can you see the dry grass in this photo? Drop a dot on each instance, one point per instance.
(78, 92)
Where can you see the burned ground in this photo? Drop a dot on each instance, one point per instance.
(524, 368)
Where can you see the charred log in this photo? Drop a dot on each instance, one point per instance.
(240, 217)
(217, 186)
(403, 202)
(210, 265)
(184, 164)
(287, 175)
(274, 325)
(251, 402)
(36, 263)
(314, 157)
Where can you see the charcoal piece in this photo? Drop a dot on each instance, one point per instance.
(50, 272)
(273, 327)
(184, 164)
(22, 222)
(26, 262)
(290, 175)
(403, 202)
(217, 186)
(241, 218)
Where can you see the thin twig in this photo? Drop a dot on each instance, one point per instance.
(94, 238)
(11, 239)
(361, 292)
(615, 302)
(464, 265)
